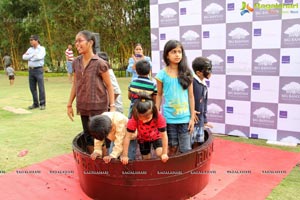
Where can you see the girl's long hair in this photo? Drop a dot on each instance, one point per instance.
(185, 76)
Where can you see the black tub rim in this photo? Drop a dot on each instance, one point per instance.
(209, 141)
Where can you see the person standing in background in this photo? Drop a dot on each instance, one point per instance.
(114, 82)
(6, 61)
(69, 59)
(137, 56)
(141, 84)
(35, 56)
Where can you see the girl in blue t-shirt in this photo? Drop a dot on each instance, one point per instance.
(174, 84)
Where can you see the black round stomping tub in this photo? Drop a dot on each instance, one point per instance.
(183, 176)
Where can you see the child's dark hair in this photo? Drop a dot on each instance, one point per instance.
(103, 55)
(185, 76)
(142, 105)
(143, 67)
(100, 126)
(203, 65)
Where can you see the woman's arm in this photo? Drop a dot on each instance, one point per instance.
(131, 63)
(71, 99)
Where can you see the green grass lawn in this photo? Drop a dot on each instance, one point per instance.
(49, 133)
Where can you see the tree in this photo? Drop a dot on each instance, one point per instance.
(120, 23)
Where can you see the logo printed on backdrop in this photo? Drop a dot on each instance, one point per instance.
(229, 109)
(154, 39)
(264, 115)
(285, 59)
(169, 15)
(255, 86)
(205, 34)
(215, 111)
(265, 63)
(238, 36)
(230, 59)
(217, 58)
(291, 34)
(283, 114)
(288, 136)
(289, 90)
(241, 131)
(207, 82)
(153, 2)
(238, 88)
(162, 36)
(162, 62)
(272, 60)
(245, 8)
(257, 32)
(230, 7)
(213, 12)
(264, 10)
(182, 11)
(191, 37)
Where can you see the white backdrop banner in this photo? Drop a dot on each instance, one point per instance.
(254, 46)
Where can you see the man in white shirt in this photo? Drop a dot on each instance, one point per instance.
(35, 56)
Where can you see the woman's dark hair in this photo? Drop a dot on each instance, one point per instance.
(138, 44)
(142, 105)
(89, 36)
(185, 76)
(100, 126)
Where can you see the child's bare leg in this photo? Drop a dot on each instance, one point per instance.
(146, 157)
(173, 150)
